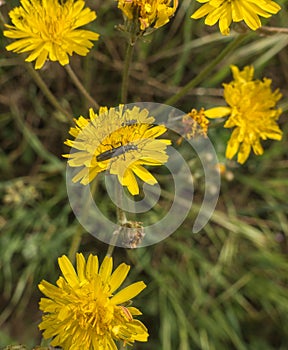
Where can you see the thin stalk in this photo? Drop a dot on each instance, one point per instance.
(44, 88)
(112, 243)
(194, 82)
(80, 86)
(272, 30)
(76, 240)
(75, 244)
(126, 69)
(121, 219)
(121, 216)
(2, 22)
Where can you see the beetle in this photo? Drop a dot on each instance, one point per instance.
(115, 152)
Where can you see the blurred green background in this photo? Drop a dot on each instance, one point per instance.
(224, 288)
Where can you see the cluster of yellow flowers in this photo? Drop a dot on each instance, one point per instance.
(49, 29)
(83, 311)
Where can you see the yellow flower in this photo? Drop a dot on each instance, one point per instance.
(48, 30)
(118, 141)
(83, 311)
(227, 11)
(251, 111)
(149, 13)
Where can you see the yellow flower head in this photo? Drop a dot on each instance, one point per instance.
(48, 30)
(83, 311)
(119, 141)
(251, 113)
(148, 13)
(227, 11)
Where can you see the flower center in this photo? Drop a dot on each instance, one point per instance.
(94, 315)
(91, 309)
(54, 28)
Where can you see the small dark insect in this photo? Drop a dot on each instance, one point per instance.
(115, 152)
(129, 122)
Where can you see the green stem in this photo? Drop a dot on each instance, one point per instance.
(76, 241)
(2, 22)
(112, 243)
(80, 86)
(125, 76)
(121, 219)
(121, 216)
(75, 244)
(194, 82)
(44, 88)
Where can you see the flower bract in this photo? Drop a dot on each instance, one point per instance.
(228, 11)
(84, 311)
(251, 112)
(119, 141)
(49, 30)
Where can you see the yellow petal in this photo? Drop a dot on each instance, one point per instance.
(144, 175)
(202, 11)
(243, 153)
(106, 268)
(68, 271)
(217, 112)
(81, 266)
(118, 277)
(92, 266)
(130, 181)
(134, 311)
(128, 293)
